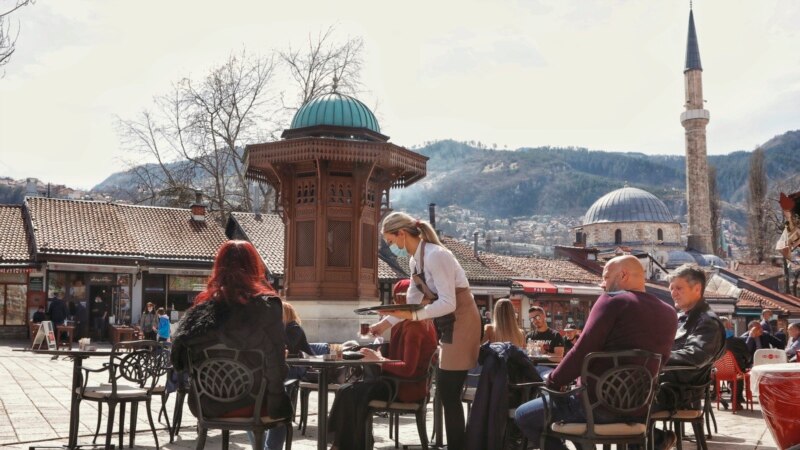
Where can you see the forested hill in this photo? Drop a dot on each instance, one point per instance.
(546, 180)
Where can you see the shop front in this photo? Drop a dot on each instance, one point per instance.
(97, 296)
(564, 303)
(174, 289)
(13, 303)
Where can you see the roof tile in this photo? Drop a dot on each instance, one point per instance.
(14, 237)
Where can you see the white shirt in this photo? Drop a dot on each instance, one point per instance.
(443, 274)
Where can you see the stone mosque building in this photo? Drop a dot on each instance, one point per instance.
(630, 217)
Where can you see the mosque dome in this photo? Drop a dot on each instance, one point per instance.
(335, 109)
(628, 205)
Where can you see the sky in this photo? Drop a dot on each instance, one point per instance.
(600, 74)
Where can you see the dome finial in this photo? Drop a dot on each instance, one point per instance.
(335, 83)
(626, 184)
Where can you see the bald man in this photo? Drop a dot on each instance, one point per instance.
(625, 317)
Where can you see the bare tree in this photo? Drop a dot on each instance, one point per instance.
(323, 64)
(8, 36)
(716, 209)
(197, 133)
(757, 208)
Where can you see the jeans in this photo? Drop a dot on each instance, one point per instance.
(530, 418)
(273, 439)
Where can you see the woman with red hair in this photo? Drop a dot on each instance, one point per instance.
(240, 309)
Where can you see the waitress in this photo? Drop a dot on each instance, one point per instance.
(439, 282)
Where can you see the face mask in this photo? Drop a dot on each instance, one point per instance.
(728, 333)
(400, 252)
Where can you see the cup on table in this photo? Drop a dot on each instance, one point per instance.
(335, 352)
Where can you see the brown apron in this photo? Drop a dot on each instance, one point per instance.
(460, 334)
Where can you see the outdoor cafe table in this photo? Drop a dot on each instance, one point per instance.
(77, 357)
(777, 386)
(322, 404)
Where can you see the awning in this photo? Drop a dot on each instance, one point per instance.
(536, 287)
(102, 268)
(490, 290)
(579, 289)
(177, 271)
(722, 308)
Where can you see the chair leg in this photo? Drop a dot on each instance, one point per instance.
(150, 419)
(121, 422)
(304, 394)
(289, 431)
(201, 438)
(99, 419)
(132, 427)
(177, 417)
(679, 432)
(699, 434)
(226, 438)
(390, 416)
(421, 428)
(164, 398)
(110, 424)
(397, 431)
(259, 439)
(734, 392)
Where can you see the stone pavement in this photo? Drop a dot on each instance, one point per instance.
(34, 410)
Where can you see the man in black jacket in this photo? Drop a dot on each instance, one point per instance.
(699, 341)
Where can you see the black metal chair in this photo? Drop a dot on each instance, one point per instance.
(225, 375)
(625, 389)
(395, 408)
(131, 380)
(678, 417)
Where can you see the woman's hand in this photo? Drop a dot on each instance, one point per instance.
(370, 355)
(379, 328)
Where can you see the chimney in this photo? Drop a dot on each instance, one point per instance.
(31, 189)
(432, 214)
(198, 208)
(475, 243)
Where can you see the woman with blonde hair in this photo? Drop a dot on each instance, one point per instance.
(438, 282)
(296, 340)
(504, 327)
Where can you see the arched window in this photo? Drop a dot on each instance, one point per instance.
(660, 235)
(618, 236)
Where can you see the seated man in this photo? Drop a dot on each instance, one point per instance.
(541, 332)
(624, 318)
(794, 344)
(699, 341)
(757, 339)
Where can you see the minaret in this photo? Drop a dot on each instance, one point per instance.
(694, 120)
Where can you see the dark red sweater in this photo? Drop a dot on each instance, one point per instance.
(413, 343)
(628, 320)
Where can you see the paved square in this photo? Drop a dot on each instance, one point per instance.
(34, 410)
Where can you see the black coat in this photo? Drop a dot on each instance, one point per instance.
(58, 312)
(502, 363)
(258, 324)
(699, 341)
(296, 340)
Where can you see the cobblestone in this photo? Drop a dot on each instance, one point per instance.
(34, 409)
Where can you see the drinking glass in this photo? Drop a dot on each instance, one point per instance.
(364, 330)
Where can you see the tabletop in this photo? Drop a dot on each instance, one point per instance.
(317, 362)
(72, 353)
(757, 372)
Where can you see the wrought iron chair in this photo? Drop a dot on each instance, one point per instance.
(678, 417)
(225, 375)
(131, 380)
(396, 408)
(625, 390)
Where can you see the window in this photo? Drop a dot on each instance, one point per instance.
(13, 299)
(618, 236)
(660, 234)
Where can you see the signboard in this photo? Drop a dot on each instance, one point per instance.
(45, 333)
(98, 278)
(36, 283)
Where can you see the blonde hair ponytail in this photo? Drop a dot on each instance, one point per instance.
(397, 221)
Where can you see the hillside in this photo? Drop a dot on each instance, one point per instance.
(547, 180)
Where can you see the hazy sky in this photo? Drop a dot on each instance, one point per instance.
(604, 74)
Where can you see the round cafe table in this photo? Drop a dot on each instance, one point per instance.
(777, 386)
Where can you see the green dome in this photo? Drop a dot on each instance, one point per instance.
(337, 110)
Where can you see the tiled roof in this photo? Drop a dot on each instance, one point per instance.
(750, 299)
(546, 269)
(387, 273)
(474, 268)
(77, 227)
(266, 233)
(14, 248)
(758, 272)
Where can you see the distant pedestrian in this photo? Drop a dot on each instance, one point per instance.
(163, 325)
(148, 322)
(39, 315)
